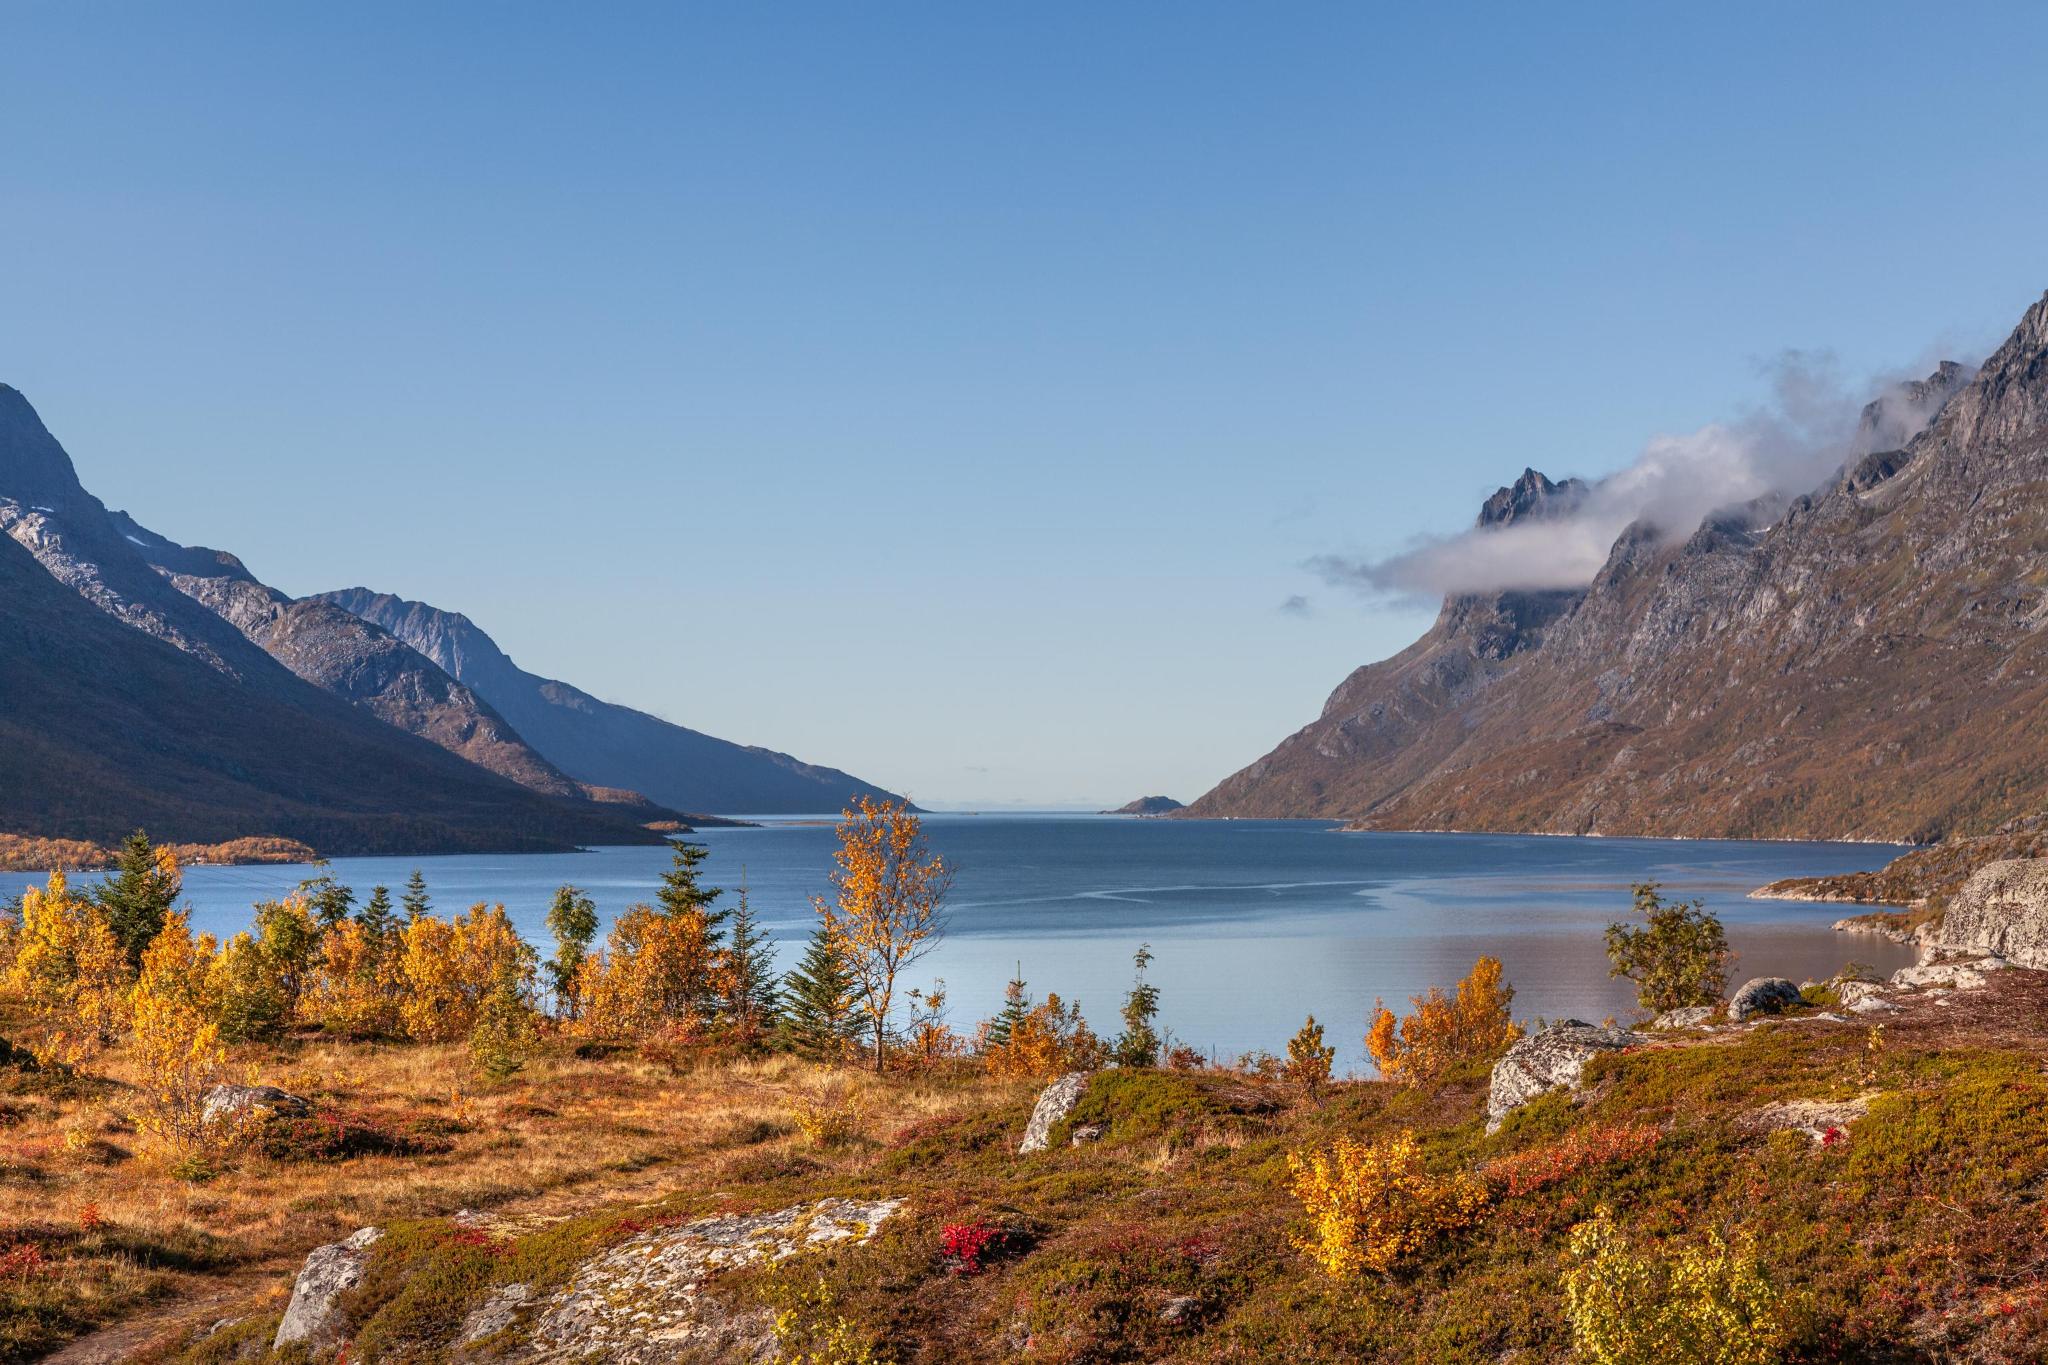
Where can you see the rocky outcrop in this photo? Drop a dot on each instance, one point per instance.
(604, 744)
(1687, 1016)
(1964, 976)
(1815, 1118)
(642, 1302)
(1055, 1102)
(329, 1272)
(1860, 662)
(1549, 1059)
(1761, 995)
(2002, 911)
(246, 1103)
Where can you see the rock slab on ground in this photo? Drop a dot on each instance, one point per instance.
(1688, 1016)
(329, 1272)
(640, 1302)
(1055, 1102)
(1549, 1059)
(2001, 911)
(1762, 995)
(236, 1102)
(1962, 976)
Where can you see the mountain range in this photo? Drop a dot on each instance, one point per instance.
(1868, 660)
(149, 683)
(599, 741)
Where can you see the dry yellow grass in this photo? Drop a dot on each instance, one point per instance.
(566, 1132)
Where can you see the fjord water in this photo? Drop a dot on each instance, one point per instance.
(1253, 923)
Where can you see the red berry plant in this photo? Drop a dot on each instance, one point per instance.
(965, 1244)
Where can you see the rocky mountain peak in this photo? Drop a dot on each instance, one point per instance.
(2008, 400)
(1531, 495)
(33, 468)
(1903, 411)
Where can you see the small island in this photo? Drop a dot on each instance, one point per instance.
(1148, 805)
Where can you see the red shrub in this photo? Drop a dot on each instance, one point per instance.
(964, 1244)
(89, 1218)
(1583, 1148)
(22, 1262)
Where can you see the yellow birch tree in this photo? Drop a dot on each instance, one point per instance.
(888, 902)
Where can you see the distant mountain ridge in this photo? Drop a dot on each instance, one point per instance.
(223, 741)
(1866, 661)
(122, 703)
(603, 742)
(341, 653)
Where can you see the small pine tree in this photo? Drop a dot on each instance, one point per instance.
(138, 897)
(376, 917)
(327, 898)
(818, 1019)
(1309, 1059)
(506, 1030)
(683, 896)
(1016, 1004)
(682, 889)
(749, 999)
(572, 919)
(1138, 1045)
(416, 902)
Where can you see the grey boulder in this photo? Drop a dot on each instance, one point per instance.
(2002, 911)
(329, 1272)
(1762, 995)
(237, 1102)
(1549, 1059)
(1686, 1016)
(1055, 1102)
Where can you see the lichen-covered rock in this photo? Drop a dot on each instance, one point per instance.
(1962, 976)
(1815, 1118)
(494, 1314)
(236, 1103)
(1549, 1059)
(2001, 911)
(1689, 1016)
(1055, 1102)
(329, 1272)
(640, 1303)
(1762, 995)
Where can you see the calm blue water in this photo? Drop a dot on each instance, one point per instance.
(1253, 923)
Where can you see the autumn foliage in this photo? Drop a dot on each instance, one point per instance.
(1371, 1205)
(1700, 1304)
(1470, 1025)
(887, 905)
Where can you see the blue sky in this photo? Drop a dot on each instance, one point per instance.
(953, 393)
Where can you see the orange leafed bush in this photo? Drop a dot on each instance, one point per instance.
(1048, 1041)
(1471, 1026)
(1373, 1204)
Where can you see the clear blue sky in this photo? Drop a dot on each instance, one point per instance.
(953, 392)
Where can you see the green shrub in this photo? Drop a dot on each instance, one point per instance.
(1679, 956)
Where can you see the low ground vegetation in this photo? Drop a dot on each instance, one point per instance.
(1237, 1213)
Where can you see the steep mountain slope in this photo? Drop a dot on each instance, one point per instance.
(103, 729)
(1871, 663)
(600, 742)
(1392, 722)
(253, 749)
(342, 653)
